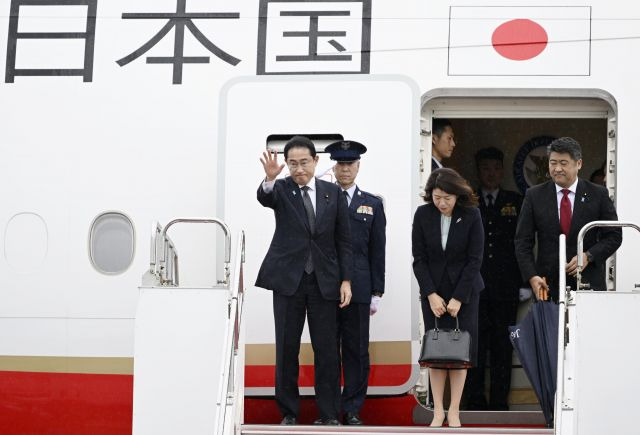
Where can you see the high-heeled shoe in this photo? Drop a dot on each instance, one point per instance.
(437, 420)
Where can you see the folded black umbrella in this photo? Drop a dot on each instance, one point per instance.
(535, 340)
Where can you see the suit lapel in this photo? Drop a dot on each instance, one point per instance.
(437, 220)
(356, 201)
(499, 202)
(456, 219)
(482, 205)
(579, 204)
(295, 196)
(552, 199)
(322, 198)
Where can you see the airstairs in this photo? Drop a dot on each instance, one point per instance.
(189, 357)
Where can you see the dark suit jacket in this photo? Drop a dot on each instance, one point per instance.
(434, 165)
(330, 244)
(500, 270)
(368, 240)
(539, 216)
(461, 259)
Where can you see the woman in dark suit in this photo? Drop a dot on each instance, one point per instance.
(448, 242)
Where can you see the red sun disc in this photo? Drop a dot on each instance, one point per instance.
(519, 39)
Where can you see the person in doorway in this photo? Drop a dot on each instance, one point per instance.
(447, 244)
(499, 300)
(308, 267)
(442, 142)
(564, 205)
(368, 228)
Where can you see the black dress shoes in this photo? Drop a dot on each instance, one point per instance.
(352, 419)
(327, 421)
(289, 420)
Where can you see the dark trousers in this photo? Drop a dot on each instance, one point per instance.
(493, 337)
(289, 314)
(353, 342)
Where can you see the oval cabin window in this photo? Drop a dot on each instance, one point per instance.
(111, 243)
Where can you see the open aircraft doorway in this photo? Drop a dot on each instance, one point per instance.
(520, 123)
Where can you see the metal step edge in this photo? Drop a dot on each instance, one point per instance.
(422, 415)
(386, 430)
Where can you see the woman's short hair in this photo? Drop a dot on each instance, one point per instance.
(449, 181)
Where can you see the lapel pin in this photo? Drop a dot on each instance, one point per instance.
(459, 219)
(359, 193)
(294, 192)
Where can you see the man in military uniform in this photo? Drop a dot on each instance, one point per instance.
(368, 222)
(499, 300)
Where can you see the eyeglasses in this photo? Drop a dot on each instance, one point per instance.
(293, 165)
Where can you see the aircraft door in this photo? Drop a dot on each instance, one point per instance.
(380, 112)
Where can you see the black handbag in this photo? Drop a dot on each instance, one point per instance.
(446, 348)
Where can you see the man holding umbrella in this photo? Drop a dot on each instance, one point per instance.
(564, 205)
(560, 206)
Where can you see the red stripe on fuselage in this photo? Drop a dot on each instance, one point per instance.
(379, 376)
(65, 403)
(70, 403)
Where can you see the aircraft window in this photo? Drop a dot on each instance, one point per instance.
(26, 242)
(111, 243)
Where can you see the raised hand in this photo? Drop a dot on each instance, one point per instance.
(270, 164)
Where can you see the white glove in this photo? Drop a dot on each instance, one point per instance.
(525, 294)
(373, 308)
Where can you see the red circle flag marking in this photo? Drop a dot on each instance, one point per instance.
(519, 39)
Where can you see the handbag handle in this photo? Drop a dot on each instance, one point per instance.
(457, 324)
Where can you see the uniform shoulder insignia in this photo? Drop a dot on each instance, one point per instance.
(371, 196)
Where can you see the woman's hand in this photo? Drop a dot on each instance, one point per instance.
(453, 307)
(438, 305)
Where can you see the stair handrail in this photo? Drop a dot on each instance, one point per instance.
(580, 250)
(562, 319)
(231, 390)
(168, 264)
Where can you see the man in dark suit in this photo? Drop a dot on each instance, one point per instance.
(563, 206)
(499, 300)
(368, 225)
(308, 267)
(442, 143)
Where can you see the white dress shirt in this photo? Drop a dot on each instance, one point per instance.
(350, 192)
(572, 195)
(493, 193)
(267, 186)
(445, 223)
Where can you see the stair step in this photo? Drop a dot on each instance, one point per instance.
(422, 415)
(385, 430)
